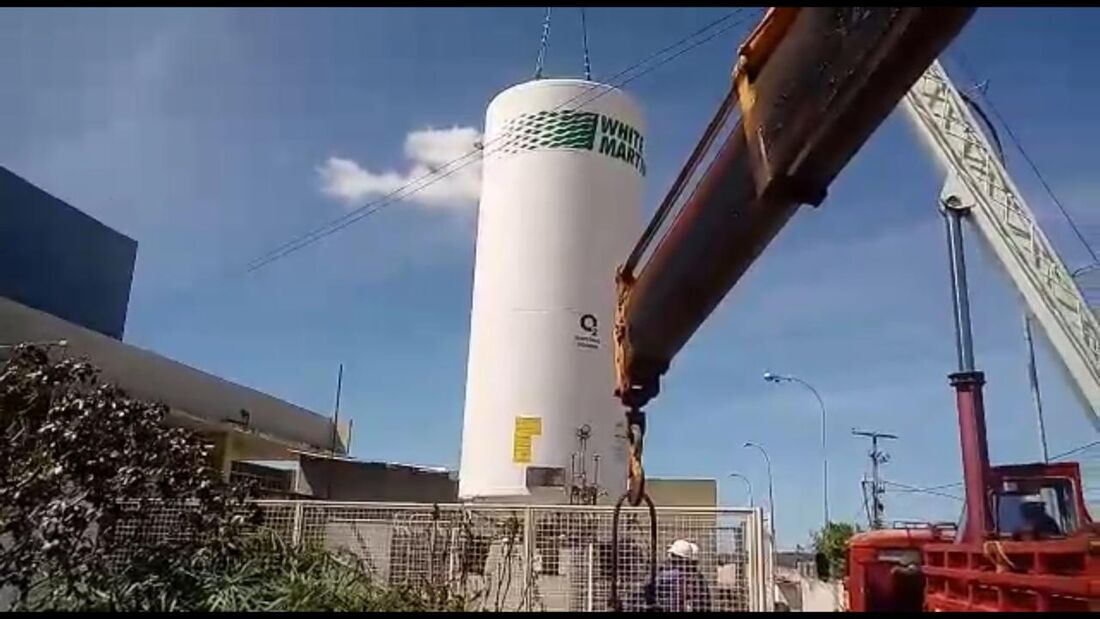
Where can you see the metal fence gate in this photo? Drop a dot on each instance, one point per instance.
(534, 558)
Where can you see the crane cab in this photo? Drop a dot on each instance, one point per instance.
(1032, 502)
(1042, 554)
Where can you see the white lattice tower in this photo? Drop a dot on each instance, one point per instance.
(976, 176)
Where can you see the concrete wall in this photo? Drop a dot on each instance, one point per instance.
(671, 492)
(804, 594)
(59, 260)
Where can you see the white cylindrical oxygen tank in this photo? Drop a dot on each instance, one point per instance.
(560, 210)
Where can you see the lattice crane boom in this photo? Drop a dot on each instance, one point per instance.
(977, 177)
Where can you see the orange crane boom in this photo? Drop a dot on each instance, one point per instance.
(812, 84)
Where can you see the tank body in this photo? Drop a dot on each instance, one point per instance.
(563, 170)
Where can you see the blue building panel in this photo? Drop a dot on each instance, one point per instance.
(59, 260)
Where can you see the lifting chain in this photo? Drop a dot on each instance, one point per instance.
(635, 418)
(635, 435)
(635, 493)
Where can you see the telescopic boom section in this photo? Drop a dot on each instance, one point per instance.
(812, 83)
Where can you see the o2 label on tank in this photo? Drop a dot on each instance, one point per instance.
(575, 130)
(589, 332)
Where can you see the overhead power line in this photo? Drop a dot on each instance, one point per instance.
(954, 484)
(470, 157)
(441, 172)
(908, 488)
(972, 76)
(1075, 450)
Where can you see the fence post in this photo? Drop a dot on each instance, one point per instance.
(296, 525)
(752, 571)
(759, 562)
(769, 565)
(528, 555)
(591, 579)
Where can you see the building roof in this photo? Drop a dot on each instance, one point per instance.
(416, 468)
(195, 397)
(791, 559)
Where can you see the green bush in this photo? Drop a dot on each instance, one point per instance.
(263, 574)
(79, 463)
(832, 542)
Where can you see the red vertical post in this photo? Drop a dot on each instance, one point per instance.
(968, 387)
(975, 454)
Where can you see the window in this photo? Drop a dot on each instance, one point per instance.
(1042, 508)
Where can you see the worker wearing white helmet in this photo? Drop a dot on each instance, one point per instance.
(684, 549)
(680, 585)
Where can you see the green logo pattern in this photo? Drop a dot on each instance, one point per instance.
(575, 130)
(559, 129)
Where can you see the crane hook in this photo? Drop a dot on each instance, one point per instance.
(650, 590)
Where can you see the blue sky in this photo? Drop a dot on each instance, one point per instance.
(202, 133)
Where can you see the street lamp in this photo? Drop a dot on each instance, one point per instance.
(780, 378)
(771, 507)
(771, 495)
(747, 483)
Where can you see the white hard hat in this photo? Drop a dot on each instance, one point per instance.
(683, 549)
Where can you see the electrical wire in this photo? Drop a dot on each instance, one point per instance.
(1075, 450)
(966, 67)
(438, 174)
(953, 484)
(395, 195)
(907, 488)
(864, 506)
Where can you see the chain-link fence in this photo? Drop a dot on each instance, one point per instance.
(516, 557)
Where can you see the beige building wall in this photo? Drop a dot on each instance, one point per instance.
(673, 492)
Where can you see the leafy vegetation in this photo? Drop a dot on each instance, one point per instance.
(832, 542)
(264, 575)
(82, 467)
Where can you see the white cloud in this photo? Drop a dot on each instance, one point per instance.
(455, 186)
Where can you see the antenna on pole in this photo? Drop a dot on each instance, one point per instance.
(335, 429)
(1033, 379)
(874, 488)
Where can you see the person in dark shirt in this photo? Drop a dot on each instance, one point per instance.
(680, 585)
(1039, 522)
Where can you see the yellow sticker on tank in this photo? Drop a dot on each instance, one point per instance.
(526, 429)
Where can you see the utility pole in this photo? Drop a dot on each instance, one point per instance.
(335, 431)
(1033, 378)
(876, 491)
